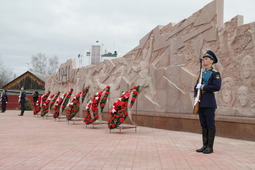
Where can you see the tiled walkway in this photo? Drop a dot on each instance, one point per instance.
(30, 142)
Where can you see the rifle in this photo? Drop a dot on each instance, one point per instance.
(198, 96)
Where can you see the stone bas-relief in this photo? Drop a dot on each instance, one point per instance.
(166, 64)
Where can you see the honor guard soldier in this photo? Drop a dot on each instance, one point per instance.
(211, 82)
(22, 100)
(4, 99)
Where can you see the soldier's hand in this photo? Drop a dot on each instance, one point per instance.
(198, 86)
(196, 101)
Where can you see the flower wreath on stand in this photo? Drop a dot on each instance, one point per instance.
(44, 98)
(119, 110)
(67, 99)
(93, 105)
(74, 106)
(58, 104)
(54, 100)
(84, 93)
(38, 105)
(104, 99)
(46, 105)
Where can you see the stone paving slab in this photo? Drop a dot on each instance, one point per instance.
(31, 143)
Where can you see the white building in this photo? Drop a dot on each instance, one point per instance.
(95, 53)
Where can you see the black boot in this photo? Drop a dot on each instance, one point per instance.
(205, 140)
(211, 136)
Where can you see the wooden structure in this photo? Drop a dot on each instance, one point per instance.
(30, 81)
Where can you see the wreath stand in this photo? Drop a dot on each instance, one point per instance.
(74, 119)
(47, 115)
(60, 116)
(100, 119)
(127, 126)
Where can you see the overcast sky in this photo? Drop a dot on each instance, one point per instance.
(65, 28)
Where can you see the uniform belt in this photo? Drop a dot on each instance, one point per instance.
(203, 92)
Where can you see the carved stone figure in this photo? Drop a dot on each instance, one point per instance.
(243, 95)
(247, 66)
(228, 92)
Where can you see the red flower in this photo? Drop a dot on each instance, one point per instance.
(134, 87)
(96, 116)
(122, 120)
(136, 92)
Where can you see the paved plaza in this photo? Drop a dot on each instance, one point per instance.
(31, 143)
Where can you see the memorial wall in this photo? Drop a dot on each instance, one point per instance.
(166, 66)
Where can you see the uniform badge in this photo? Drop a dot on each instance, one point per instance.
(217, 77)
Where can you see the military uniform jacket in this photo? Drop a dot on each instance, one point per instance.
(22, 97)
(4, 97)
(211, 82)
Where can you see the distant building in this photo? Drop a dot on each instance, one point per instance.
(29, 80)
(109, 56)
(95, 53)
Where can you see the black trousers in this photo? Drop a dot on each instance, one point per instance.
(206, 117)
(22, 106)
(3, 106)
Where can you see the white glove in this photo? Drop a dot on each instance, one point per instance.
(196, 101)
(198, 86)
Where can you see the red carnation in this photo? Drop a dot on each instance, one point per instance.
(122, 120)
(96, 116)
(136, 92)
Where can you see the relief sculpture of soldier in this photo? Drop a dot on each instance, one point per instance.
(247, 70)
(211, 82)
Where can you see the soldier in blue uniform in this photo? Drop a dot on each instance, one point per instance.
(22, 100)
(211, 82)
(4, 99)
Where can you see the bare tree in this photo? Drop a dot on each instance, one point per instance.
(44, 66)
(39, 64)
(53, 65)
(5, 74)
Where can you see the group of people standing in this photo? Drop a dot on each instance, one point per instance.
(21, 100)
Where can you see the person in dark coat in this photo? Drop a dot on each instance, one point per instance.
(22, 100)
(4, 99)
(35, 97)
(211, 82)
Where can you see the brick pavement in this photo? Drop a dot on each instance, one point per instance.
(31, 143)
